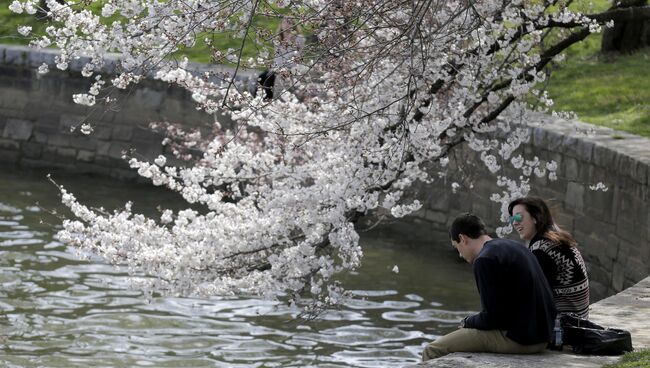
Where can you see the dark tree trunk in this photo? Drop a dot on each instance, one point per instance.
(627, 36)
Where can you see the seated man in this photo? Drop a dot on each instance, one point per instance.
(518, 312)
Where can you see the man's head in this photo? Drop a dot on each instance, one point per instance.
(468, 234)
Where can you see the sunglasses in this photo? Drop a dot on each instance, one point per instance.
(515, 218)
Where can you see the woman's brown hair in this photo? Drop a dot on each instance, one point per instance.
(544, 225)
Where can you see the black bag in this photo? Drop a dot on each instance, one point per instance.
(586, 337)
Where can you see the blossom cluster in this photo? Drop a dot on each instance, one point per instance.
(384, 90)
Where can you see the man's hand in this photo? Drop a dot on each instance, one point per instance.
(462, 322)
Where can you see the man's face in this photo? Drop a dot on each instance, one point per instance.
(461, 247)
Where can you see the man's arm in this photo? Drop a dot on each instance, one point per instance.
(486, 273)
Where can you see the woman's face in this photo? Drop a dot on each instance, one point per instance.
(523, 222)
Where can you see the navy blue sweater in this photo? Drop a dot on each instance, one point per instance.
(515, 295)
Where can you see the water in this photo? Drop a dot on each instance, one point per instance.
(59, 311)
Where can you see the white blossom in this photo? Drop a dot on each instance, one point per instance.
(24, 30)
(86, 128)
(43, 69)
(83, 99)
(599, 186)
(349, 132)
(16, 7)
(160, 160)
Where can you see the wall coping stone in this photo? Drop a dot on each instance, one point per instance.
(25, 56)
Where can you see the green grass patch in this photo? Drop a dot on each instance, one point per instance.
(612, 91)
(199, 52)
(605, 90)
(636, 359)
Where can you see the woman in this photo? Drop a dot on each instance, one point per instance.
(556, 252)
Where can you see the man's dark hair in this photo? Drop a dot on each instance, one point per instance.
(467, 224)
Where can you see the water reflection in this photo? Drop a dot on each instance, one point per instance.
(61, 311)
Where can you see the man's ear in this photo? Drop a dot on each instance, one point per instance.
(461, 238)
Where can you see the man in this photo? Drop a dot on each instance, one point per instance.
(518, 312)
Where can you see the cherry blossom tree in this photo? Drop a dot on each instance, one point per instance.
(384, 90)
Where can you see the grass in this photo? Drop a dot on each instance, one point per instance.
(199, 52)
(606, 90)
(636, 359)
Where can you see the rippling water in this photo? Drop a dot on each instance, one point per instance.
(60, 311)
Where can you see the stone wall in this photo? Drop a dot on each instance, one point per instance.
(612, 227)
(37, 116)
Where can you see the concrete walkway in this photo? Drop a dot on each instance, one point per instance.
(628, 310)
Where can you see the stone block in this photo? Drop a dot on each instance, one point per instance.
(146, 135)
(110, 162)
(570, 169)
(148, 150)
(122, 132)
(641, 172)
(148, 98)
(647, 227)
(118, 149)
(439, 201)
(13, 98)
(102, 131)
(90, 168)
(601, 205)
(598, 291)
(604, 156)
(574, 196)
(18, 129)
(459, 202)
(593, 226)
(618, 276)
(85, 156)
(554, 141)
(123, 174)
(628, 230)
(636, 269)
(84, 142)
(436, 217)
(613, 248)
(68, 123)
(39, 137)
(47, 123)
(9, 156)
(9, 144)
(32, 149)
(578, 147)
(49, 165)
(66, 152)
(599, 274)
(538, 137)
(626, 166)
(103, 148)
(59, 140)
(482, 208)
(16, 56)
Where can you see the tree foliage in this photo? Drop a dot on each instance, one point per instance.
(384, 90)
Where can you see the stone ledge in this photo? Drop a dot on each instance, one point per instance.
(627, 310)
(32, 58)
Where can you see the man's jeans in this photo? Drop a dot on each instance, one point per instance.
(472, 340)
